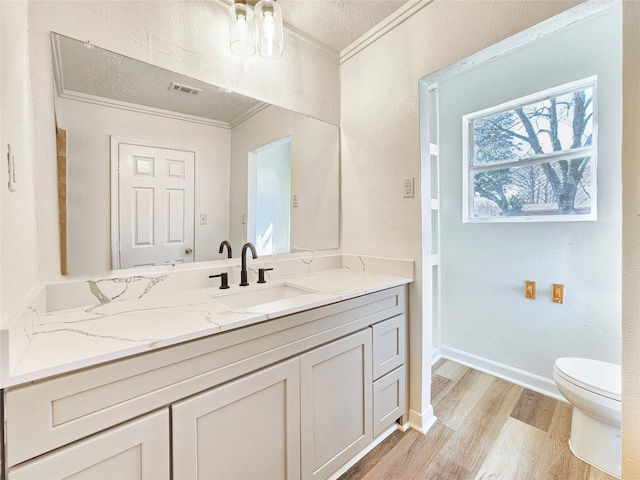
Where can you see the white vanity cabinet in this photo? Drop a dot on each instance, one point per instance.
(138, 449)
(297, 396)
(248, 428)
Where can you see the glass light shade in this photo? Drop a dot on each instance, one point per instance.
(242, 30)
(270, 29)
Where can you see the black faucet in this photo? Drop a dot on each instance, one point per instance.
(224, 280)
(243, 272)
(261, 274)
(228, 245)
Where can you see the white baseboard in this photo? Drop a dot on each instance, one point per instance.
(436, 355)
(422, 422)
(534, 382)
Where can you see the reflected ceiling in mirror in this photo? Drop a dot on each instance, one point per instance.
(85, 71)
(105, 100)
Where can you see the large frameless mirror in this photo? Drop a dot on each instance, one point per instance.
(156, 168)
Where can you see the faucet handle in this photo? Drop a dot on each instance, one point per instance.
(224, 280)
(261, 274)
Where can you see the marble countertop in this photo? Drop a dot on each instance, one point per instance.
(73, 338)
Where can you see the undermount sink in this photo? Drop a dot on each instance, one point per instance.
(260, 295)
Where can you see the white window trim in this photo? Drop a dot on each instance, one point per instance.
(469, 169)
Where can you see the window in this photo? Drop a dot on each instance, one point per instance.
(533, 158)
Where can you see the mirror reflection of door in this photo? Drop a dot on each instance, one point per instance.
(156, 206)
(269, 193)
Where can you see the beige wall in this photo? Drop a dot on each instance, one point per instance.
(631, 243)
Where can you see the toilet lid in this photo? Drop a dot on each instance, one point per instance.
(598, 377)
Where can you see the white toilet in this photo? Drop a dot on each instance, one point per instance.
(594, 389)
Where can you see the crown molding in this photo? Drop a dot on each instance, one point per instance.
(158, 112)
(320, 48)
(248, 114)
(392, 21)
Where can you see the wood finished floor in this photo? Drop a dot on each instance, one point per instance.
(487, 429)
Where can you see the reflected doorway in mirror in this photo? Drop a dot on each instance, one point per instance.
(269, 197)
(154, 222)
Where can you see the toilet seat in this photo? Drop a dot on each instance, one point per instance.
(598, 377)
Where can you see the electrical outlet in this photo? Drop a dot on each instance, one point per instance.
(408, 187)
(243, 219)
(294, 200)
(203, 219)
(530, 289)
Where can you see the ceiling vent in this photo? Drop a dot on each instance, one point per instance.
(176, 87)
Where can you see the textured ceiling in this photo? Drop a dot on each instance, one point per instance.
(336, 23)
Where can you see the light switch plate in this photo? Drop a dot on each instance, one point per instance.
(409, 187)
(558, 293)
(530, 289)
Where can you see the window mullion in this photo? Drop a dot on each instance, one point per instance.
(546, 158)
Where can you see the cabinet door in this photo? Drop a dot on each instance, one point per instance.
(246, 429)
(136, 450)
(336, 404)
(389, 400)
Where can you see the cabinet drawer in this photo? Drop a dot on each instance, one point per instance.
(389, 400)
(388, 345)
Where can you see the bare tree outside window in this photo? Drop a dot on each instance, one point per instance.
(533, 157)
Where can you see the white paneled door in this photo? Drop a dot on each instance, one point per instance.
(155, 205)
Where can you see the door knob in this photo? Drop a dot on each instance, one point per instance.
(188, 251)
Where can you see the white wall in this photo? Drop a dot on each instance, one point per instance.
(380, 142)
(484, 266)
(89, 129)
(314, 175)
(189, 37)
(19, 267)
